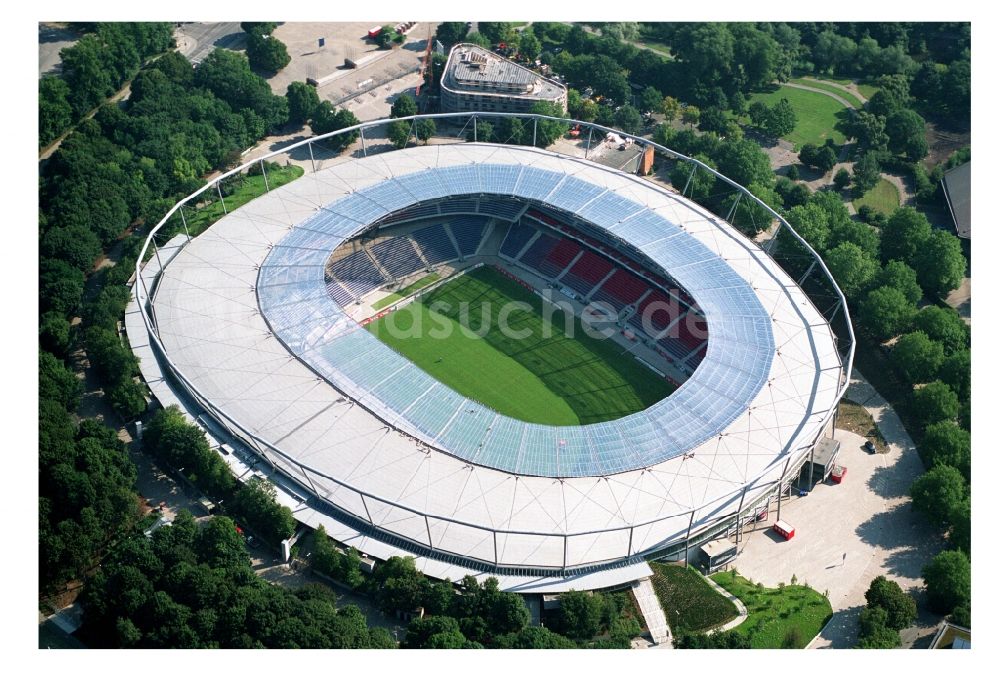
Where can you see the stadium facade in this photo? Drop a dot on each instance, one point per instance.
(252, 328)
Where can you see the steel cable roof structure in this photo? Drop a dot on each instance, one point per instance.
(242, 317)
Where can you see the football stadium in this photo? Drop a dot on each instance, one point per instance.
(497, 359)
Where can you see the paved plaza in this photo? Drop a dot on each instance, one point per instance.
(848, 534)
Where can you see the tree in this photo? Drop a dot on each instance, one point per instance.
(256, 503)
(729, 640)
(580, 614)
(885, 312)
(841, 179)
(860, 234)
(745, 162)
(714, 119)
(960, 533)
(528, 45)
(949, 581)
(650, 100)
(403, 106)
(266, 52)
(873, 630)
(533, 638)
(792, 194)
(701, 182)
(497, 31)
(906, 232)
(56, 382)
(867, 172)
(547, 131)
(397, 585)
(326, 119)
(60, 286)
(899, 275)
(399, 133)
(945, 325)
(691, 115)
(478, 39)
(422, 630)
(54, 333)
(853, 268)
(220, 545)
(451, 32)
(868, 129)
(628, 120)
(934, 402)
(76, 245)
(893, 95)
(671, 108)
(228, 76)
(424, 129)
(940, 263)
(945, 443)
(901, 609)
(822, 157)
(956, 372)
(386, 36)
(937, 493)
(302, 102)
(55, 114)
(780, 120)
(907, 136)
(917, 356)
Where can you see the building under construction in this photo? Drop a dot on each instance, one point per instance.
(476, 79)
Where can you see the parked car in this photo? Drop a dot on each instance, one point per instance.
(870, 446)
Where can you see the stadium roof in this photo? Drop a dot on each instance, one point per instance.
(243, 314)
(293, 297)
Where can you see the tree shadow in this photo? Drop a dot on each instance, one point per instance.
(842, 629)
(906, 535)
(884, 483)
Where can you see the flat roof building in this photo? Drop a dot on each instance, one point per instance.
(476, 79)
(957, 184)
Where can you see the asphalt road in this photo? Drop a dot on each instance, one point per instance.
(197, 40)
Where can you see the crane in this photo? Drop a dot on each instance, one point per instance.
(427, 59)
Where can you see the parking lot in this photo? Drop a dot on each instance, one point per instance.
(367, 91)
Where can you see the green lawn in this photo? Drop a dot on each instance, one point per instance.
(689, 603)
(787, 617)
(816, 114)
(198, 219)
(883, 198)
(543, 377)
(406, 291)
(827, 87)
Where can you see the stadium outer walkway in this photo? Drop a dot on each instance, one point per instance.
(848, 534)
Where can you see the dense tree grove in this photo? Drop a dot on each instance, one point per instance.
(86, 497)
(193, 587)
(93, 69)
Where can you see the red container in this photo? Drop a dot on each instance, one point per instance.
(783, 529)
(838, 473)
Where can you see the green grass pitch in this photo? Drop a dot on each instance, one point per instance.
(547, 377)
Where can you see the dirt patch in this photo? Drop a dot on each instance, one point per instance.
(943, 142)
(853, 417)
